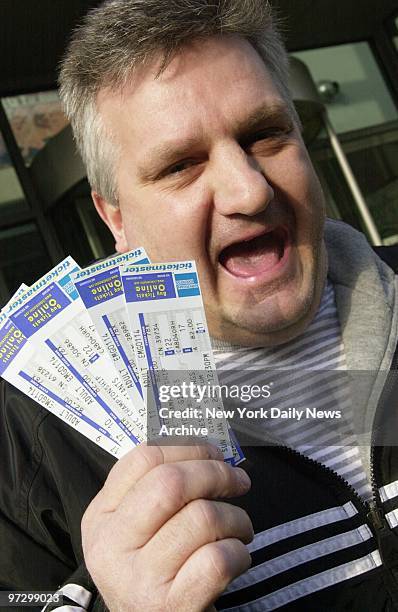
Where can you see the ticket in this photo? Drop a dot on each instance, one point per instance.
(100, 287)
(21, 364)
(61, 272)
(21, 289)
(172, 343)
(54, 319)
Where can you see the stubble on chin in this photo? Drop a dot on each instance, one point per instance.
(249, 323)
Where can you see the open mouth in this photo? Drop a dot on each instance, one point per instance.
(256, 256)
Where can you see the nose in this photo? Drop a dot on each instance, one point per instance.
(240, 185)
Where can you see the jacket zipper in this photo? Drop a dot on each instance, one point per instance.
(371, 515)
(372, 510)
(387, 541)
(376, 510)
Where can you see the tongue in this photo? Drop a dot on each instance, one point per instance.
(254, 256)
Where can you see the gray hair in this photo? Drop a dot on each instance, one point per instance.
(121, 34)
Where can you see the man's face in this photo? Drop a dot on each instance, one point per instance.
(213, 168)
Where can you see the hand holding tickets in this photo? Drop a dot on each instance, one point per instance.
(92, 345)
(182, 551)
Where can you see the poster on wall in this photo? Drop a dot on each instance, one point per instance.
(34, 119)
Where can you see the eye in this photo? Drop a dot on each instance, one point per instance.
(269, 133)
(180, 167)
(272, 134)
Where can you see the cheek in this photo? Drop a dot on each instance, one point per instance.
(307, 198)
(166, 229)
(298, 174)
(312, 189)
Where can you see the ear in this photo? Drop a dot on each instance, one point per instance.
(112, 217)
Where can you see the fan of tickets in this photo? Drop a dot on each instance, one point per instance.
(102, 347)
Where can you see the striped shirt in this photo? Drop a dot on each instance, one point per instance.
(306, 372)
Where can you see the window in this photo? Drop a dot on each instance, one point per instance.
(364, 115)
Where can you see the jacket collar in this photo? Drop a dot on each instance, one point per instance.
(365, 290)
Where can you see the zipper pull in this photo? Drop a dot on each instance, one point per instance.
(375, 517)
(387, 540)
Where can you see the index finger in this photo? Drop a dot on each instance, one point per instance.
(141, 460)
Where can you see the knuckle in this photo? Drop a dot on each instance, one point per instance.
(204, 514)
(149, 456)
(142, 458)
(222, 559)
(224, 473)
(171, 479)
(219, 563)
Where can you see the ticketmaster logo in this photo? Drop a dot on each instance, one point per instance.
(109, 263)
(51, 275)
(186, 265)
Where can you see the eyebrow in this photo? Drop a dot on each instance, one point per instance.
(261, 117)
(167, 153)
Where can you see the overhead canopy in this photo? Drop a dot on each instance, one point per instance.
(33, 34)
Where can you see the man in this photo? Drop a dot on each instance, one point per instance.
(193, 150)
